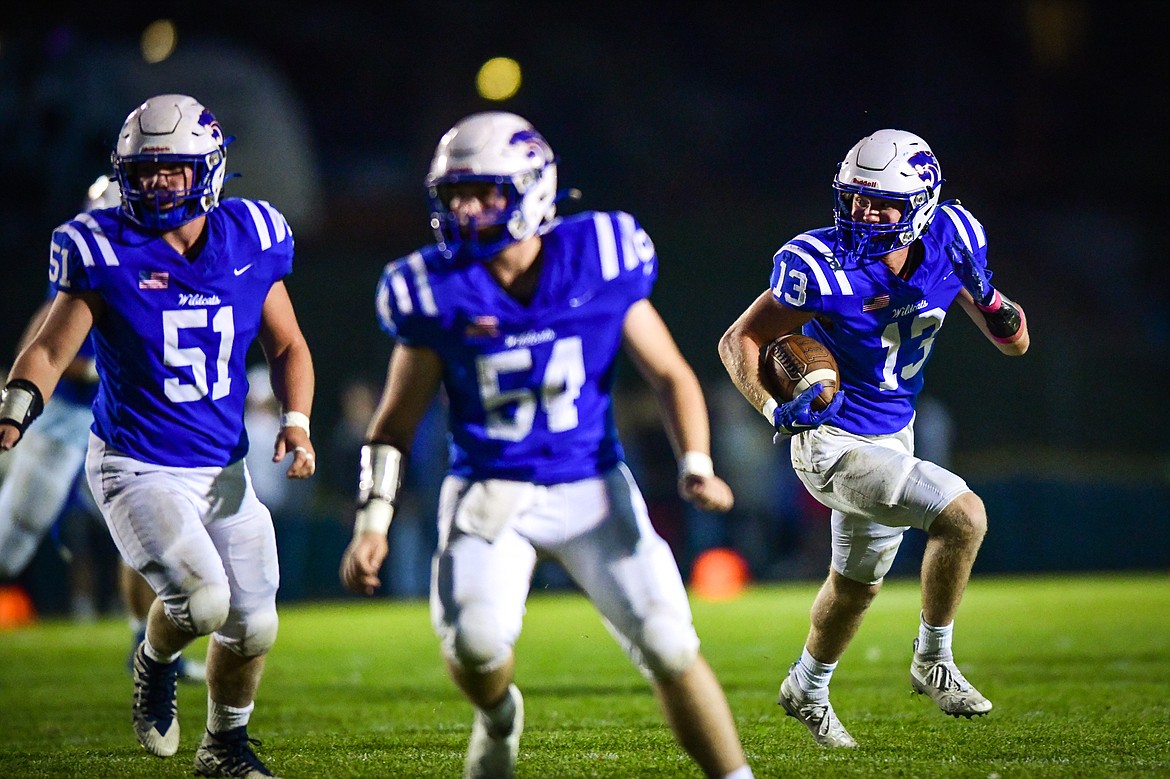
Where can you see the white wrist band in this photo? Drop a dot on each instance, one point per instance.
(769, 410)
(374, 517)
(295, 419)
(696, 464)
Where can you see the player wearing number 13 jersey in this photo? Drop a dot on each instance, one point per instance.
(520, 317)
(874, 288)
(176, 286)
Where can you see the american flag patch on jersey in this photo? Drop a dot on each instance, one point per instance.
(153, 279)
(875, 302)
(483, 327)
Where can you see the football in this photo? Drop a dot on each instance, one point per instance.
(793, 363)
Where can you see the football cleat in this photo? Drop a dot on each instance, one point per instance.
(819, 718)
(155, 710)
(945, 684)
(229, 753)
(492, 752)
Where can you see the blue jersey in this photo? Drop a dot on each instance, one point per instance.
(879, 327)
(171, 346)
(529, 385)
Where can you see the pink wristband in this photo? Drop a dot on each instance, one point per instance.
(994, 305)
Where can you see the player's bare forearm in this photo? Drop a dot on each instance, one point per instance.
(739, 348)
(412, 379)
(744, 371)
(684, 412)
(293, 377)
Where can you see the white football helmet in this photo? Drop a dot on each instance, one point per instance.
(500, 148)
(892, 165)
(104, 192)
(170, 128)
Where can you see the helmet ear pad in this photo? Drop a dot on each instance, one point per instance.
(178, 130)
(500, 148)
(891, 165)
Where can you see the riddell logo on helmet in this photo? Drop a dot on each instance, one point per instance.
(864, 182)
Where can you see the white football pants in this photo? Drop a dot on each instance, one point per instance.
(491, 534)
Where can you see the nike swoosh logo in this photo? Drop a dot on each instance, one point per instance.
(240, 271)
(582, 300)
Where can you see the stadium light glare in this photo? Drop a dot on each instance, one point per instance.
(159, 40)
(498, 78)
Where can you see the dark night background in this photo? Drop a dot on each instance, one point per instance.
(719, 126)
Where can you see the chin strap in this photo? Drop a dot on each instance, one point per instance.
(381, 477)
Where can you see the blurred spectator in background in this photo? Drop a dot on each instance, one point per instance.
(284, 497)
(339, 460)
(774, 524)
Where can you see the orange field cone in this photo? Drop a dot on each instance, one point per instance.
(16, 608)
(719, 574)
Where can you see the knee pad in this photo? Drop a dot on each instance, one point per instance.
(201, 612)
(477, 641)
(668, 644)
(259, 634)
(870, 563)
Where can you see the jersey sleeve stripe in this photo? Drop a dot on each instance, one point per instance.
(261, 226)
(813, 265)
(426, 298)
(967, 226)
(823, 248)
(279, 224)
(402, 299)
(79, 242)
(99, 238)
(606, 246)
(627, 226)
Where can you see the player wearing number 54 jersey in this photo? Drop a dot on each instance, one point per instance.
(520, 316)
(176, 286)
(875, 288)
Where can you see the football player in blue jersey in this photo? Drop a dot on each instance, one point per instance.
(176, 285)
(520, 316)
(48, 467)
(875, 288)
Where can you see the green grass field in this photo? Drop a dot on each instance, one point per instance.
(1078, 669)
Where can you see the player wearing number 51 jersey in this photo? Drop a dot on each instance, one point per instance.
(520, 316)
(875, 288)
(176, 286)
(189, 323)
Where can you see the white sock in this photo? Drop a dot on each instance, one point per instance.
(743, 772)
(221, 717)
(812, 677)
(159, 657)
(934, 643)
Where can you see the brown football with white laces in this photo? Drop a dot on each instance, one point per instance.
(793, 363)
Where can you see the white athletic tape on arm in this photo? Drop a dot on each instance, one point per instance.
(374, 517)
(295, 419)
(769, 410)
(696, 464)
